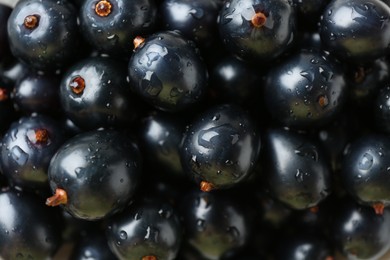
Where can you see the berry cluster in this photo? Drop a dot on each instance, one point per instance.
(195, 129)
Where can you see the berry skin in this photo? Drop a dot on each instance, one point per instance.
(26, 150)
(94, 174)
(306, 90)
(148, 230)
(356, 30)
(220, 147)
(257, 30)
(94, 93)
(28, 229)
(167, 71)
(296, 169)
(111, 25)
(365, 172)
(44, 34)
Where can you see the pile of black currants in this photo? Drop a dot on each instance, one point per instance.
(195, 129)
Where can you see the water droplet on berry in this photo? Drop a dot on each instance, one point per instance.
(123, 235)
(366, 162)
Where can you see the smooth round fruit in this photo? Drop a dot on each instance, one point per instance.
(95, 174)
(296, 169)
(356, 30)
(305, 90)
(44, 34)
(220, 147)
(257, 30)
(167, 71)
(94, 93)
(215, 223)
(366, 168)
(28, 229)
(111, 25)
(26, 150)
(358, 232)
(148, 230)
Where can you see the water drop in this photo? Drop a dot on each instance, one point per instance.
(175, 92)
(19, 156)
(123, 235)
(299, 175)
(366, 162)
(233, 233)
(200, 224)
(309, 75)
(196, 13)
(165, 213)
(78, 171)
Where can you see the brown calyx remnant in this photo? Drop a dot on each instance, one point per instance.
(206, 186)
(379, 207)
(31, 21)
(3, 94)
(149, 257)
(323, 101)
(314, 209)
(259, 19)
(360, 75)
(138, 41)
(60, 197)
(41, 135)
(329, 257)
(103, 8)
(77, 85)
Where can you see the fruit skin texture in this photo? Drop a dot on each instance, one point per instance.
(99, 171)
(216, 223)
(106, 100)
(356, 30)
(38, 93)
(54, 43)
(28, 229)
(257, 44)
(168, 72)
(221, 146)
(306, 90)
(366, 167)
(197, 20)
(113, 34)
(358, 232)
(296, 169)
(25, 160)
(147, 228)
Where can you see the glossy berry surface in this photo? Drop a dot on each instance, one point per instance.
(94, 93)
(365, 170)
(93, 245)
(220, 147)
(160, 137)
(37, 93)
(360, 233)
(296, 169)
(356, 30)
(215, 223)
(44, 34)
(196, 20)
(19, 213)
(94, 174)
(26, 150)
(257, 30)
(305, 90)
(110, 26)
(166, 70)
(147, 230)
